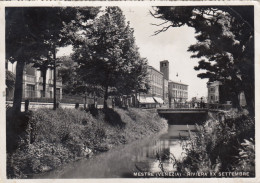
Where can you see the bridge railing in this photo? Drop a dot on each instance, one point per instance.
(220, 106)
(200, 106)
(187, 105)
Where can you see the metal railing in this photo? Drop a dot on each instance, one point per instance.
(220, 106)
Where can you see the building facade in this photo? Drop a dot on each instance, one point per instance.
(156, 81)
(162, 89)
(213, 92)
(178, 91)
(33, 83)
(165, 90)
(218, 94)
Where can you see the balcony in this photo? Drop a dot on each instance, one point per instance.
(58, 82)
(30, 79)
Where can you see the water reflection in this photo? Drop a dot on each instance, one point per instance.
(167, 147)
(123, 161)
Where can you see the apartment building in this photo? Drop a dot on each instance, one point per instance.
(178, 91)
(33, 83)
(156, 82)
(213, 92)
(218, 94)
(161, 88)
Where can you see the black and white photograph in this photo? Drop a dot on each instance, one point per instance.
(129, 91)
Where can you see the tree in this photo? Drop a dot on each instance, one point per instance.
(225, 43)
(68, 74)
(107, 55)
(30, 31)
(22, 44)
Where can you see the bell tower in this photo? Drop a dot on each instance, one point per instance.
(164, 68)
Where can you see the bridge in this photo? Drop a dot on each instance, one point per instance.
(183, 110)
(184, 115)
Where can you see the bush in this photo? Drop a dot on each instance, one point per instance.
(222, 144)
(57, 137)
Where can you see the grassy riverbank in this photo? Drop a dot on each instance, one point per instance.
(50, 138)
(225, 143)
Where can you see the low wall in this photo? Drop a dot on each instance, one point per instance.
(37, 105)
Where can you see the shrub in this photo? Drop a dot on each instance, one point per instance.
(57, 137)
(221, 145)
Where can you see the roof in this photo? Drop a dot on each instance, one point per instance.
(214, 83)
(176, 82)
(164, 61)
(151, 67)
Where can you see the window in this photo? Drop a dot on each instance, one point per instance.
(41, 93)
(30, 91)
(51, 73)
(58, 92)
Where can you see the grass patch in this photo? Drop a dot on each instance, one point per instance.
(51, 138)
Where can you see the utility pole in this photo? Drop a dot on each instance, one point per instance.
(54, 80)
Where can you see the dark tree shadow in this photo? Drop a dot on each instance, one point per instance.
(113, 118)
(16, 129)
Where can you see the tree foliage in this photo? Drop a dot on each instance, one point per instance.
(225, 43)
(107, 55)
(33, 31)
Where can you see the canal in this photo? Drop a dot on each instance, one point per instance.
(123, 161)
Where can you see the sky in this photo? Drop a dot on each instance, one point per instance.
(171, 45)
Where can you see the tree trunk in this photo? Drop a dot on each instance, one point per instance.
(54, 80)
(105, 97)
(250, 99)
(85, 101)
(44, 71)
(136, 98)
(235, 100)
(18, 91)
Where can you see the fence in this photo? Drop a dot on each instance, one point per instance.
(220, 106)
(66, 99)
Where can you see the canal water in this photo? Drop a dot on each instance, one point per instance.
(123, 161)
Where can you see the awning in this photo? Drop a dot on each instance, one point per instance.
(141, 99)
(150, 100)
(158, 100)
(146, 100)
